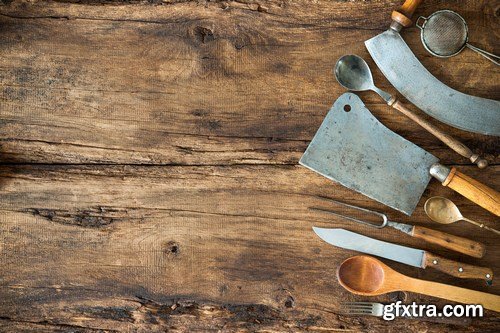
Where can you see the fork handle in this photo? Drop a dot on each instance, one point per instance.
(455, 243)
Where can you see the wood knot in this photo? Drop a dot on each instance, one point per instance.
(289, 302)
(171, 248)
(203, 35)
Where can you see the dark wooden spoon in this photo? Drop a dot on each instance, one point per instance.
(367, 276)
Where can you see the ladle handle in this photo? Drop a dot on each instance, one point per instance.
(403, 15)
(458, 269)
(452, 293)
(481, 225)
(447, 139)
(452, 242)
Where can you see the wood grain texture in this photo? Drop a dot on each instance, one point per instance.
(452, 242)
(457, 268)
(473, 190)
(149, 177)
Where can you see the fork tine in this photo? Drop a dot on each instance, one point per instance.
(366, 306)
(357, 312)
(369, 211)
(365, 303)
(323, 210)
(358, 303)
(359, 307)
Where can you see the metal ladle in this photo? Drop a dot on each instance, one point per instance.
(353, 73)
(444, 211)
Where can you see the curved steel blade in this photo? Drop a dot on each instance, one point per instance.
(400, 66)
(356, 242)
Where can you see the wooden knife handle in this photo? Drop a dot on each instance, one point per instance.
(403, 15)
(455, 243)
(447, 139)
(455, 268)
(473, 190)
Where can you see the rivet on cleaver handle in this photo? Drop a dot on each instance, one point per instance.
(353, 148)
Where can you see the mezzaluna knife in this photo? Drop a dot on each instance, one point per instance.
(405, 72)
(414, 257)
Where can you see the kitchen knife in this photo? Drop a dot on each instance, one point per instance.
(354, 149)
(406, 255)
(405, 72)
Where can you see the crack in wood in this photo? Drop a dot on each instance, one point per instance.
(94, 217)
(54, 324)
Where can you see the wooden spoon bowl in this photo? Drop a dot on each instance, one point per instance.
(367, 276)
(362, 275)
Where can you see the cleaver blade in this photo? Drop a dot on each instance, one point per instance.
(405, 72)
(354, 149)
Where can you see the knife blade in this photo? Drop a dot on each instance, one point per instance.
(414, 257)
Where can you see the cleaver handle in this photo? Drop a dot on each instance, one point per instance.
(402, 17)
(470, 188)
(458, 269)
(452, 242)
(447, 139)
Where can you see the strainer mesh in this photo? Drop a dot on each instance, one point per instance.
(445, 33)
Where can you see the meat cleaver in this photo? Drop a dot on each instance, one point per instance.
(354, 149)
(400, 66)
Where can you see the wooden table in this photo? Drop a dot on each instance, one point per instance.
(149, 178)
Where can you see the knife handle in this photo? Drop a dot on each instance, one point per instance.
(447, 139)
(403, 15)
(470, 188)
(455, 243)
(458, 269)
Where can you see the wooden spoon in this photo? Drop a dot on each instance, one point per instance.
(367, 276)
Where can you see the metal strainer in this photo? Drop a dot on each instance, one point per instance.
(445, 34)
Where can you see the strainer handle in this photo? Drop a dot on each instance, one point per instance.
(420, 26)
(490, 56)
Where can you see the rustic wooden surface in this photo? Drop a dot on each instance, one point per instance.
(149, 178)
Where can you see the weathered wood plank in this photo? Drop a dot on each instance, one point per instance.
(111, 245)
(216, 83)
(200, 110)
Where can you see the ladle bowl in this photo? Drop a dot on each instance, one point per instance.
(353, 73)
(444, 211)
